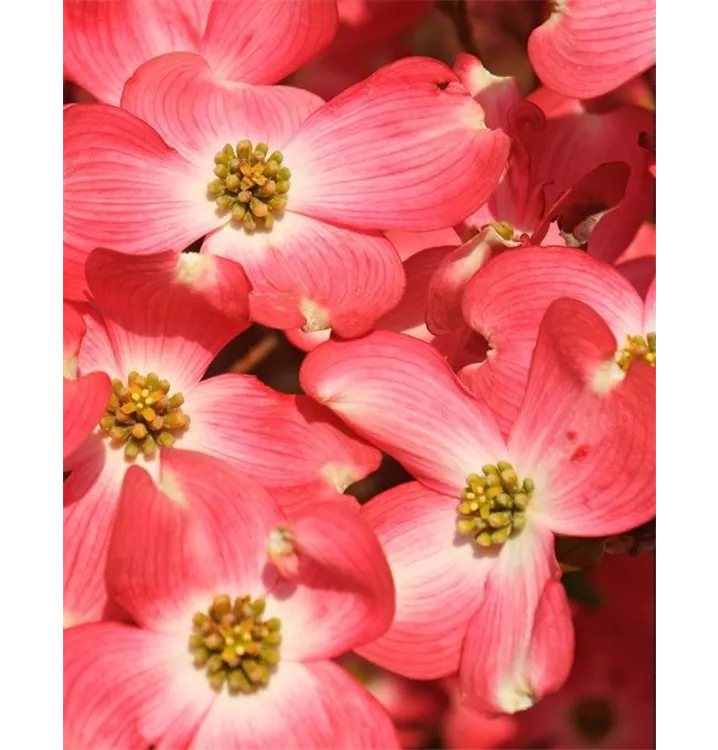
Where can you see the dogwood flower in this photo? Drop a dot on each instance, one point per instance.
(224, 651)
(471, 542)
(160, 320)
(294, 190)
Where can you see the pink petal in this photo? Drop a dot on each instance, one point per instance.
(585, 48)
(197, 113)
(174, 318)
(73, 273)
(583, 204)
(105, 41)
(411, 243)
(506, 301)
(446, 290)
(125, 188)
(550, 655)
(83, 401)
(368, 137)
(307, 273)
(409, 316)
(496, 668)
(439, 581)
(91, 494)
(315, 705)
(344, 594)
(641, 272)
(265, 42)
(100, 712)
(643, 244)
(307, 341)
(576, 141)
(649, 313)
(401, 395)
(496, 94)
(73, 329)
(211, 521)
(126, 687)
(283, 441)
(586, 433)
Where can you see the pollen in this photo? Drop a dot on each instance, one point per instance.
(250, 185)
(493, 505)
(143, 416)
(234, 645)
(635, 348)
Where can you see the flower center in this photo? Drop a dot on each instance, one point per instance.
(493, 504)
(250, 185)
(234, 644)
(637, 347)
(593, 718)
(142, 416)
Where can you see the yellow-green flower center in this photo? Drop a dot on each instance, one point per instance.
(250, 185)
(493, 504)
(593, 718)
(637, 347)
(143, 416)
(234, 645)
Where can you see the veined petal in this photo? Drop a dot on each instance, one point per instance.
(197, 113)
(497, 674)
(174, 316)
(73, 329)
(106, 41)
(83, 404)
(506, 301)
(127, 687)
(343, 595)
(307, 273)
(282, 441)
(496, 94)
(125, 188)
(400, 394)
(446, 290)
(586, 49)
(198, 533)
(265, 42)
(91, 494)
(364, 160)
(586, 431)
(318, 704)
(438, 578)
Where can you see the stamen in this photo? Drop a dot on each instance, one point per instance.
(142, 416)
(235, 645)
(637, 347)
(493, 504)
(249, 185)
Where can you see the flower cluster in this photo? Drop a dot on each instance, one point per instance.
(471, 274)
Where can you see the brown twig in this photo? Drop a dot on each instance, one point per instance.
(257, 354)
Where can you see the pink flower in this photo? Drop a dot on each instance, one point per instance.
(85, 397)
(361, 163)
(506, 301)
(415, 707)
(588, 47)
(159, 321)
(105, 41)
(470, 543)
(609, 698)
(226, 653)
